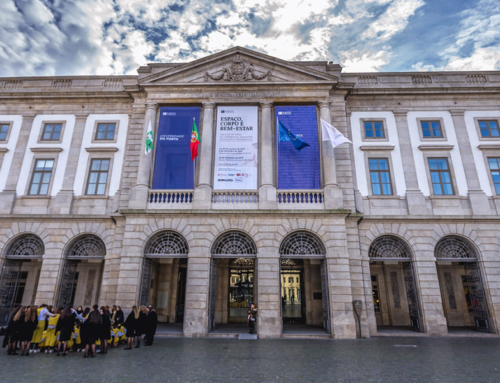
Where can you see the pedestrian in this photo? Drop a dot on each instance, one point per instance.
(84, 329)
(252, 317)
(105, 330)
(142, 324)
(152, 323)
(94, 331)
(11, 335)
(119, 317)
(50, 336)
(130, 326)
(66, 325)
(43, 313)
(27, 329)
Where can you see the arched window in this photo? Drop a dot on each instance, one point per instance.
(26, 246)
(302, 243)
(453, 247)
(166, 244)
(86, 246)
(388, 246)
(234, 243)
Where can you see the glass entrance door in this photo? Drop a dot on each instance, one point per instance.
(241, 293)
(292, 295)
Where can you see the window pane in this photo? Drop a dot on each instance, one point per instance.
(387, 189)
(46, 136)
(100, 189)
(91, 189)
(93, 178)
(3, 136)
(497, 188)
(496, 177)
(368, 129)
(110, 135)
(4, 128)
(96, 164)
(49, 164)
(57, 128)
(103, 177)
(485, 133)
(443, 164)
(104, 164)
(433, 164)
(100, 135)
(56, 135)
(373, 164)
(437, 189)
(425, 129)
(375, 178)
(383, 164)
(446, 177)
(40, 165)
(376, 189)
(493, 162)
(33, 189)
(436, 129)
(385, 177)
(43, 189)
(447, 189)
(46, 178)
(37, 177)
(379, 132)
(435, 177)
(494, 133)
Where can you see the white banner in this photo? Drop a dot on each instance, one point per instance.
(236, 144)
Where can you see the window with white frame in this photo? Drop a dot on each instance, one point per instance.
(380, 176)
(42, 174)
(494, 164)
(98, 177)
(440, 176)
(51, 132)
(4, 131)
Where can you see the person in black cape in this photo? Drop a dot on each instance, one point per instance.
(142, 324)
(66, 326)
(16, 320)
(94, 330)
(9, 333)
(152, 323)
(27, 328)
(105, 330)
(130, 327)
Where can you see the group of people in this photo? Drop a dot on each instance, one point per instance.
(44, 329)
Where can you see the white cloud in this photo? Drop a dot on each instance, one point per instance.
(358, 61)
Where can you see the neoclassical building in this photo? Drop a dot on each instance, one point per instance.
(402, 223)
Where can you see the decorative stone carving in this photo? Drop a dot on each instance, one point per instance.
(238, 71)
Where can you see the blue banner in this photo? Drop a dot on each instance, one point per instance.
(174, 168)
(298, 169)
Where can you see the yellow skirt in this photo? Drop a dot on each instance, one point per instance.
(51, 338)
(37, 335)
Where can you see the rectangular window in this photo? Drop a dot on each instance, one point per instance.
(494, 164)
(297, 147)
(51, 132)
(380, 176)
(41, 177)
(4, 131)
(374, 129)
(440, 176)
(431, 129)
(98, 177)
(489, 128)
(105, 131)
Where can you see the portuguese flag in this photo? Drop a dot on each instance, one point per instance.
(195, 141)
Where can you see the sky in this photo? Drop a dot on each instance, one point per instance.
(103, 37)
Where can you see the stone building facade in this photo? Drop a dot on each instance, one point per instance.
(406, 219)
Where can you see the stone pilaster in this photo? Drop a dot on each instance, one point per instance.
(197, 294)
(49, 283)
(203, 193)
(267, 189)
(478, 199)
(414, 197)
(269, 297)
(8, 196)
(333, 194)
(63, 201)
(140, 193)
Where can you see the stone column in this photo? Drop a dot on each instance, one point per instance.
(478, 199)
(203, 192)
(414, 197)
(8, 196)
(267, 189)
(141, 189)
(64, 199)
(269, 295)
(333, 194)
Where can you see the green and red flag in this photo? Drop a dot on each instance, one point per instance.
(195, 141)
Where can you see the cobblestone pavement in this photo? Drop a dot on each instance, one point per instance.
(281, 360)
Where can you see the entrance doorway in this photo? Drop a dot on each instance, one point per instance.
(460, 281)
(233, 285)
(304, 285)
(394, 292)
(164, 277)
(82, 272)
(20, 274)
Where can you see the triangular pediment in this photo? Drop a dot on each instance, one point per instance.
(237, 65)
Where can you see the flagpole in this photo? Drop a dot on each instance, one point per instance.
(194, 163)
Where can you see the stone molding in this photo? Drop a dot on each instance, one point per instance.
(237, 71)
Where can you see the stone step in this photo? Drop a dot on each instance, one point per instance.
(306, 336)
(222, 335)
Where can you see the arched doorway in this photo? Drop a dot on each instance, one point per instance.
(394, 291)
(20, 274)
(233, 276)
(82, 271)
(164, 276)
(304, 283)
(460, 280)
